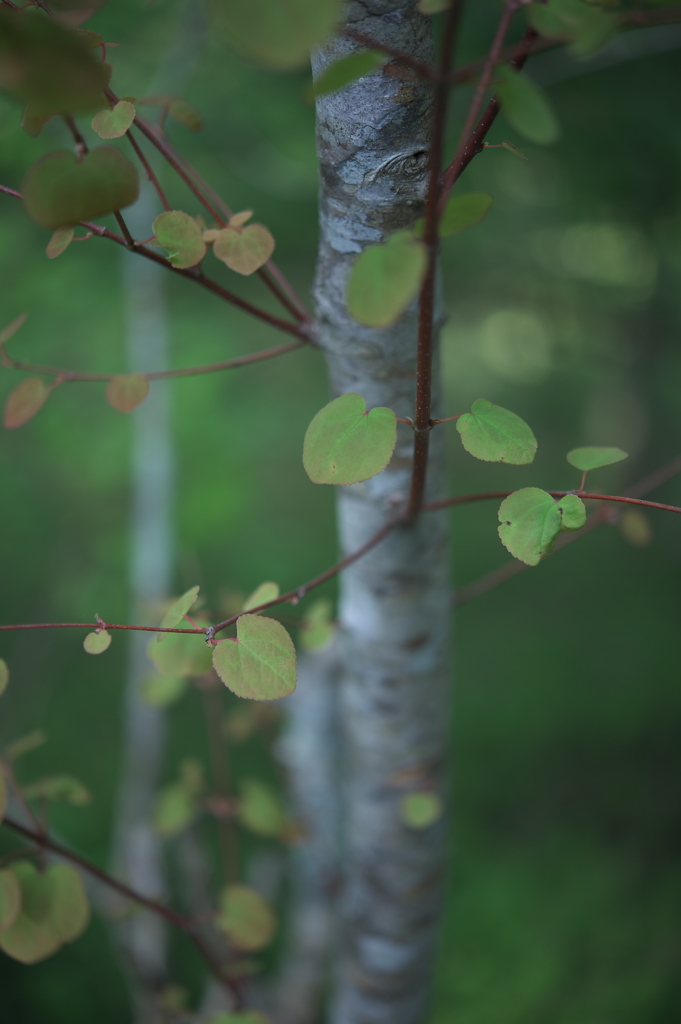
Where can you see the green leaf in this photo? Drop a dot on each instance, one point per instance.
(54, 910)
(246, 918)
(247, 1017)
(160, 691)
(4, 675)
(7, 332)
(586, 25)
(69, 909)
(345, 444)
(261, 595)
(177, 611)
(112, 124)
(260, 810)
(59, 190)
(10, 899)
(530, 522)
(97, 642)
(245, 249)
(175, 809)
(25, 744)
(185, 114)
(527, 108)
(316, 628)
(261, 663)
(419, 810)
(180, 236)
(125, 392)
(512, 149)
(586, 459)
(181, 654)
(573, 513)
(59, 788)
(277, 33)
(460, 212)
(347, 70)
(385, 279)
(25, 401)
(494, 434)
(59, 243)
(241, 724)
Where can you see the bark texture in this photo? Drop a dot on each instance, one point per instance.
(373, 140)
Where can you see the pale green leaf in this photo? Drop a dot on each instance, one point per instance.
(59, 788)
(527, 108)
(69, 909)
(635, 527)
(512, 149)
(11, 329)
(25, 401)
(316, 628)
(181, 237)
(186, 114)
(246, 918)
(261, 595)
(126, 391)
(60, 190)
(494, 434)
(178, 609)
(261, 663)
(573, 513)
(4, 675)
(25, 744)
(59, 243)
(419, 810)
(97, 642)
(586, 459)
(260, 810)
(460, 212)
(54, 910)
(174, 810)
(160, 691)
(586, 25)
(10, 897)
(244, 249)
(112, 124)
(530, 522)
(386, 278)
(347, 70)
(345, 443)
(277, 33)
(181, 654)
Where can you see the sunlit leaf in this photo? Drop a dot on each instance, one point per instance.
(385, 279)
(125, 392)
(7, 332)
(347, 70)
(178, 609)
(345, 443)
(180, 236)
(4, 675)
(246, 918)
(261, 595)
(277, 33)
(419, 810)
(25, 401)
(97, 642)
(573, 513)
(460, 212)
(260, 809)
(54, 910)
(244, 250)
(25, 744)
(527, 108)
(10, 896)
(185, 114)
(160, 691)
(494, 434)
(635, 527)
(586, 25)
(261, 663)
(530, 522)
(62, 788)
(316, 628)
(586, 459)
(112, 124)
(60, 190)
(181, 654)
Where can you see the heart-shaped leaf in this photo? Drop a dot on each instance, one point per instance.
(345, 443)
(261, 595)
(181, 654)
(246, 918)
(59, 243)
(530, 522)
(494, 434)
(54, 910)
(58, 190)
(112, 124)
(178, 609)
(60, 788)
(125, 392)
(347, 70)
(419, 810)
(97, 642)
(260, 810)
(10, 899)
(25, 401)
(527, 108)
(244, 250)
(586, 459)
(261, 663)
(180, 235)
(4, 675)
(276, 33)
(386, 279)
(573, 513)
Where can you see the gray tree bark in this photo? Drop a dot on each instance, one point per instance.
(372, 140)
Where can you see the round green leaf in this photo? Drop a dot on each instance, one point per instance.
(260, 810)
(245, 249)
(59, 788)
(345, 444)
(112, 124)
(573, 513)
(589, 458)
(125, 392)
(494, 434)
(246, 918)
(25, 401)
(97, 642)
(178, 609)
(530, 522)
(175, 808)
(181, 654)
(261, 663)
(347, 70)
(10, 899)
(316, 628)
(276, 33)
(527, 108)
(385, 279)
(181, 237)
(261, 595)
(160, 691)
(4, 675)
(419, 810)
(69, 909)
(59, 243)
(59, 190)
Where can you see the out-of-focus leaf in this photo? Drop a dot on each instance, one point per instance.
(316, 628)
(419, 810)
(347, 70)
(25, 744)
(10, 896)
(261, 595)
(185, 114)
(7, 332)
(527, 108)
(586, 459)
(25, 401)
(3, 793)
(261, 663)
(244, 250)
(180, 236)
(54, 910)
(460, 212)
(175, 809)
(60, 190)
(635, 527)
(260, 809)
(433, 6)
(59, 788)
(97, 642)
(4, 675)
(277, 33)
(385, 279)
(345, 443)
(586, 25)
(512, 149)
(181, 654)
(125, 392)
(112, 124)
(59, 243)
(246, 918)
(160, 691)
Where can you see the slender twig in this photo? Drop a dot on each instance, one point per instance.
(167, 913)
(148, 170)
(100, 625)
(434, 506)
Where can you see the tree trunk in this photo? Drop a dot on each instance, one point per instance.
(373, 140)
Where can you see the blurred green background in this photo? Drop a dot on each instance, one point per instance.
(565, 306)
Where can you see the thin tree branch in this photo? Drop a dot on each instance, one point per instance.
(465, 499)
(148, 170)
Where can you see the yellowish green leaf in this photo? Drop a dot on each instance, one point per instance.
(346, 443)
(112, 124)
(261, 663)
(586, 459)
(316, 628)
(4, 675)
(160, 691)
(385, 279)
(181, 237)
(246, 918)
(245, 249)
(60, 788)
(420, 809)
(7, 332)
(25, 401)
(181, 654)
(59, 243)
(60, 190)
(260, 810)
(178, 609)
(97, 642)
(261, 595)
(125, 392)
(527, 108)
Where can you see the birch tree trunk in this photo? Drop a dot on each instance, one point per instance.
(394, 613)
